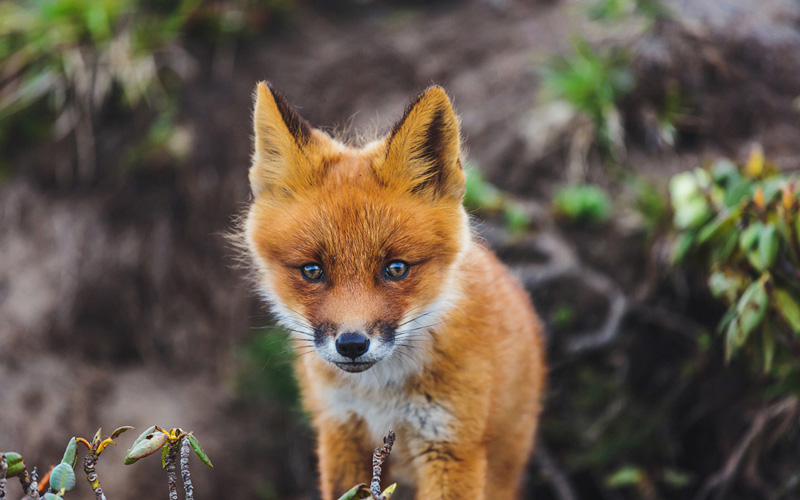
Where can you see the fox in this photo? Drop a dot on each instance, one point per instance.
(404, 320)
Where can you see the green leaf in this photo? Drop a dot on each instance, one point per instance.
(388, 492)
(691, 214)
(164, 452)
(751, 309)
(717, 227)
(626, 476)
(360, 491)
(730, 338)
(768, 246)
(787, 307)
(142, 436)
(749, 236)
(98, 437)
(120, 430)
(71, 453)
(722, 252)
(14, 463)
(516, 218)
(722, 285)
(767, 347)
(198, 450)
(147, 446)
(681, 247)
(62, 477)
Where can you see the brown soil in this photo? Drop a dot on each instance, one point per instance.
(121, 300)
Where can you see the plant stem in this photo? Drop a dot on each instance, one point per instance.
(89, 461)
(380, 455)
(185, 475)
(3, 469)
(30, 484)
(172, 477)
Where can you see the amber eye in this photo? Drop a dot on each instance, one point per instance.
(396, 269)
(311, 272)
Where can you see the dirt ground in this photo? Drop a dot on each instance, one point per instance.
(121, 301)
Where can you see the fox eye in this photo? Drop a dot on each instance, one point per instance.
(396, 269)
(311, 272)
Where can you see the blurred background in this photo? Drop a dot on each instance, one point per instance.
(636, 163)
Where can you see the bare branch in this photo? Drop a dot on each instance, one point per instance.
(185, 475)
(380, 456)
(172, 476)
(30, 484)
(3, 470)
(89, 462)
(728, 472)
(561, 485)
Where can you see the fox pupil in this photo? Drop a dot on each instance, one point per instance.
(312, 272)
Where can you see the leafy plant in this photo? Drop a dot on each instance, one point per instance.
(742, 224)
(482, 196)
(593, 82)
(170, 443)
(55, 484)
(583, 203)
(96, 448)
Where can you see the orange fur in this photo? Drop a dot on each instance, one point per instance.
(458, 366)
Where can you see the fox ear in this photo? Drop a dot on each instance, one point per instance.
(424, 148)
(281, 164)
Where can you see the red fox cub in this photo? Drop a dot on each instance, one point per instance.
(366, 256)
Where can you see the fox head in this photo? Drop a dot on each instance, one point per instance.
(358, 249)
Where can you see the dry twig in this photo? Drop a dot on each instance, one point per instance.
(172, 476)
(185, 475)
(3, 469)
(380, 456)
(30, 484)
(728, 472)
(561, 485)
(89, 463)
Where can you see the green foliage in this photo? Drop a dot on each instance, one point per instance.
(14, 463)
(62, 478)
(592, 82)
(583, 203)
(198, 450)
(741, 226)
(71, 453)
(481, 196)
(615, 10)
(162, 440)
(150, 444)
(267, 371)
(80, 55)
(625, 476)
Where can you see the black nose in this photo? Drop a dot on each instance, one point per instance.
(352, 344)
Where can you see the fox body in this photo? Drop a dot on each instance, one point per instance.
(406, 322)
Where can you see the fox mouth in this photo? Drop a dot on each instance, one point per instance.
(355, 366)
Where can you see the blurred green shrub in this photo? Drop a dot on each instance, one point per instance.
(582, 203)
(482, 196)
(614, 10)
(267, 368)
(77, 56)
(78, 50)
(741, 224)
(593, 82)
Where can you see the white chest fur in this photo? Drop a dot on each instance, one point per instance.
(389, 409)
